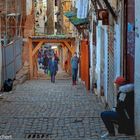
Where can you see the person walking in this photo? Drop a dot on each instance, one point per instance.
(123, 113)
(74, 65)
(56, 58)
(45, 62)
(53, 67)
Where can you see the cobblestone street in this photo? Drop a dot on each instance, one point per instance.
(41, 110)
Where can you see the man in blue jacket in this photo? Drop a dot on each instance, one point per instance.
(53, 67)
(74, 65)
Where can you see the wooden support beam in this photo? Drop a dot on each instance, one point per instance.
(52, 40)
(35, 66)
(63, 45)
(30, 59)
(37, 47)
(72, 50)
(73, 46)
(64, 56)
(69, 44)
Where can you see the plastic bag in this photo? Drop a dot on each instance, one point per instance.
(8, 85)
(49, 73)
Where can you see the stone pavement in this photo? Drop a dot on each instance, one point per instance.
(40, 110)
(61, 75)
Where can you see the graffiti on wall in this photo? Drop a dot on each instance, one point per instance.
(131, 39)
(137, 29)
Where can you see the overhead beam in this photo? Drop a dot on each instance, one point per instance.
(52, 40)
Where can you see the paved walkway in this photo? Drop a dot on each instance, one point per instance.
(40, 110)
(61, 75)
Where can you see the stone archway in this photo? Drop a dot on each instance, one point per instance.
(64, 41)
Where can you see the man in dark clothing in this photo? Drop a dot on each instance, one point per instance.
(123, 114)
(45, 62)
(125, 108)
(53, 67)
(56, 58)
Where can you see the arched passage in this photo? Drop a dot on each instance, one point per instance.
(35, 43)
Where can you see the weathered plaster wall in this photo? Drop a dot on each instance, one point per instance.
(137, 68)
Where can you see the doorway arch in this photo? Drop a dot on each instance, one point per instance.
(36, 42)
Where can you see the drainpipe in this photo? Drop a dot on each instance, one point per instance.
(125, 40)
(0, 57)
(137, 68)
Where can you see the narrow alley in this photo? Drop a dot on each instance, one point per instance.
(69, 69)
(41, 110)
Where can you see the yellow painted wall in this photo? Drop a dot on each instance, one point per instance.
(67, 25)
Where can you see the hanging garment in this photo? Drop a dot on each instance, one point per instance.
(77, 4)
(82, 8)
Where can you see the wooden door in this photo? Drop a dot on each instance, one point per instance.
(84, 60)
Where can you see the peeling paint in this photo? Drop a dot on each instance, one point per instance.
(131, 39)
(137, 32)
(130, 27)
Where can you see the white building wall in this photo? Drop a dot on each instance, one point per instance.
(0, 57)
(98, 58)
(82, 8)
(91, 53)
(77, 44)
(105, 62)
(102, 59)
(117, 50)
(137, 68)
(0, 68)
